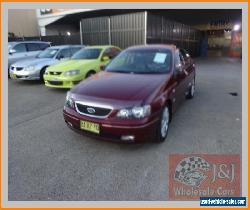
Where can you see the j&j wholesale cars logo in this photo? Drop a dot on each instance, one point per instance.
(195, 176)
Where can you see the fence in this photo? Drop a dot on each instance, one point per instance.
(55, 40)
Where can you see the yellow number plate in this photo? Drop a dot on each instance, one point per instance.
(89, 126)
(13, 76)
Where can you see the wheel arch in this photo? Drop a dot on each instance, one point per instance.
(169, 103)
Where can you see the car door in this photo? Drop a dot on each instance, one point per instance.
(33, 49)
(179, 76)
(188, 68)
(20, 53)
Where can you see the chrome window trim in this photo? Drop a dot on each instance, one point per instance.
(93, 104)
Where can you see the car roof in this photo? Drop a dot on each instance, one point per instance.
(100, 46)
(153, 46)
(29, 42)
(65, 46)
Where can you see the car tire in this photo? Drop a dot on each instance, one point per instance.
(191, 90)
(90, 73)
(163, 125)
(42, 73)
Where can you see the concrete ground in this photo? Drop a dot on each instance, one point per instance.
(48, 161)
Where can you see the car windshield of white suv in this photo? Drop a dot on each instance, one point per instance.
(142, 61)
(48, 53)
(91, 53)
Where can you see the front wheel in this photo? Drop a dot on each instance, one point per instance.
(163, 125)
(42, 73)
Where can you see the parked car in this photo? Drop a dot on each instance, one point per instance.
(34, 68)
(25, 49)
(83, 64)
(134, 99)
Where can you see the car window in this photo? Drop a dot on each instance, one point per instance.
(33, 47)
(74, 50)
(43, 46)
(111, 52)
(142, 61)
(106, 52)
(177, 59)
(182, 59)
(20, 48)
(64, 53)
(87, 53)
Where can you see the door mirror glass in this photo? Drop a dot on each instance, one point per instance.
(105, 58)
(12, 51)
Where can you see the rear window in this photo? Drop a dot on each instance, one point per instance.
(33, 47)
(43, 46)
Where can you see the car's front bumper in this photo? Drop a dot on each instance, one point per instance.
(109, 131)
(25, 75)
(54, 81)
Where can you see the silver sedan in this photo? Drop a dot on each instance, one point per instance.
(34, 68)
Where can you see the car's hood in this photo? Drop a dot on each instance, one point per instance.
(70, 65)
(120, 86)
(32, 62)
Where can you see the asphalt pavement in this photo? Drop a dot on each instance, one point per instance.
(48, 161)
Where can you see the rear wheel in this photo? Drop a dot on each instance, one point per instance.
(163, 124)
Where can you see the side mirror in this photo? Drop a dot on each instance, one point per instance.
(105, 58)
(12, 51)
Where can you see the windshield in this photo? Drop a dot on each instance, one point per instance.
(142, 61)
(10, 45)
(91, 53)
(48, 53)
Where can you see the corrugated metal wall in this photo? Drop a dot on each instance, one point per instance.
(162, 30)
(128, 29)
(120, 30)
(95, 31)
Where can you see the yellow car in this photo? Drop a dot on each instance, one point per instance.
(82, 64)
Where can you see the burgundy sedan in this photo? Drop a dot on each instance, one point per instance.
(134, 99)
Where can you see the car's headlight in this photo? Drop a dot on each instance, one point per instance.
(72, 73)
(69, 101)
(30, 68)
(135, 112)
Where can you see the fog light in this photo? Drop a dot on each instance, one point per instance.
(127, 138)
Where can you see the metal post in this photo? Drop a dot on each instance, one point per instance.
(145, 32)
(109, 32)
(81, 32)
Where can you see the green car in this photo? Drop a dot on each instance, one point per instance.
(82, 65)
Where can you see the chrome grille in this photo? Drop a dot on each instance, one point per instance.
(93, 110)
